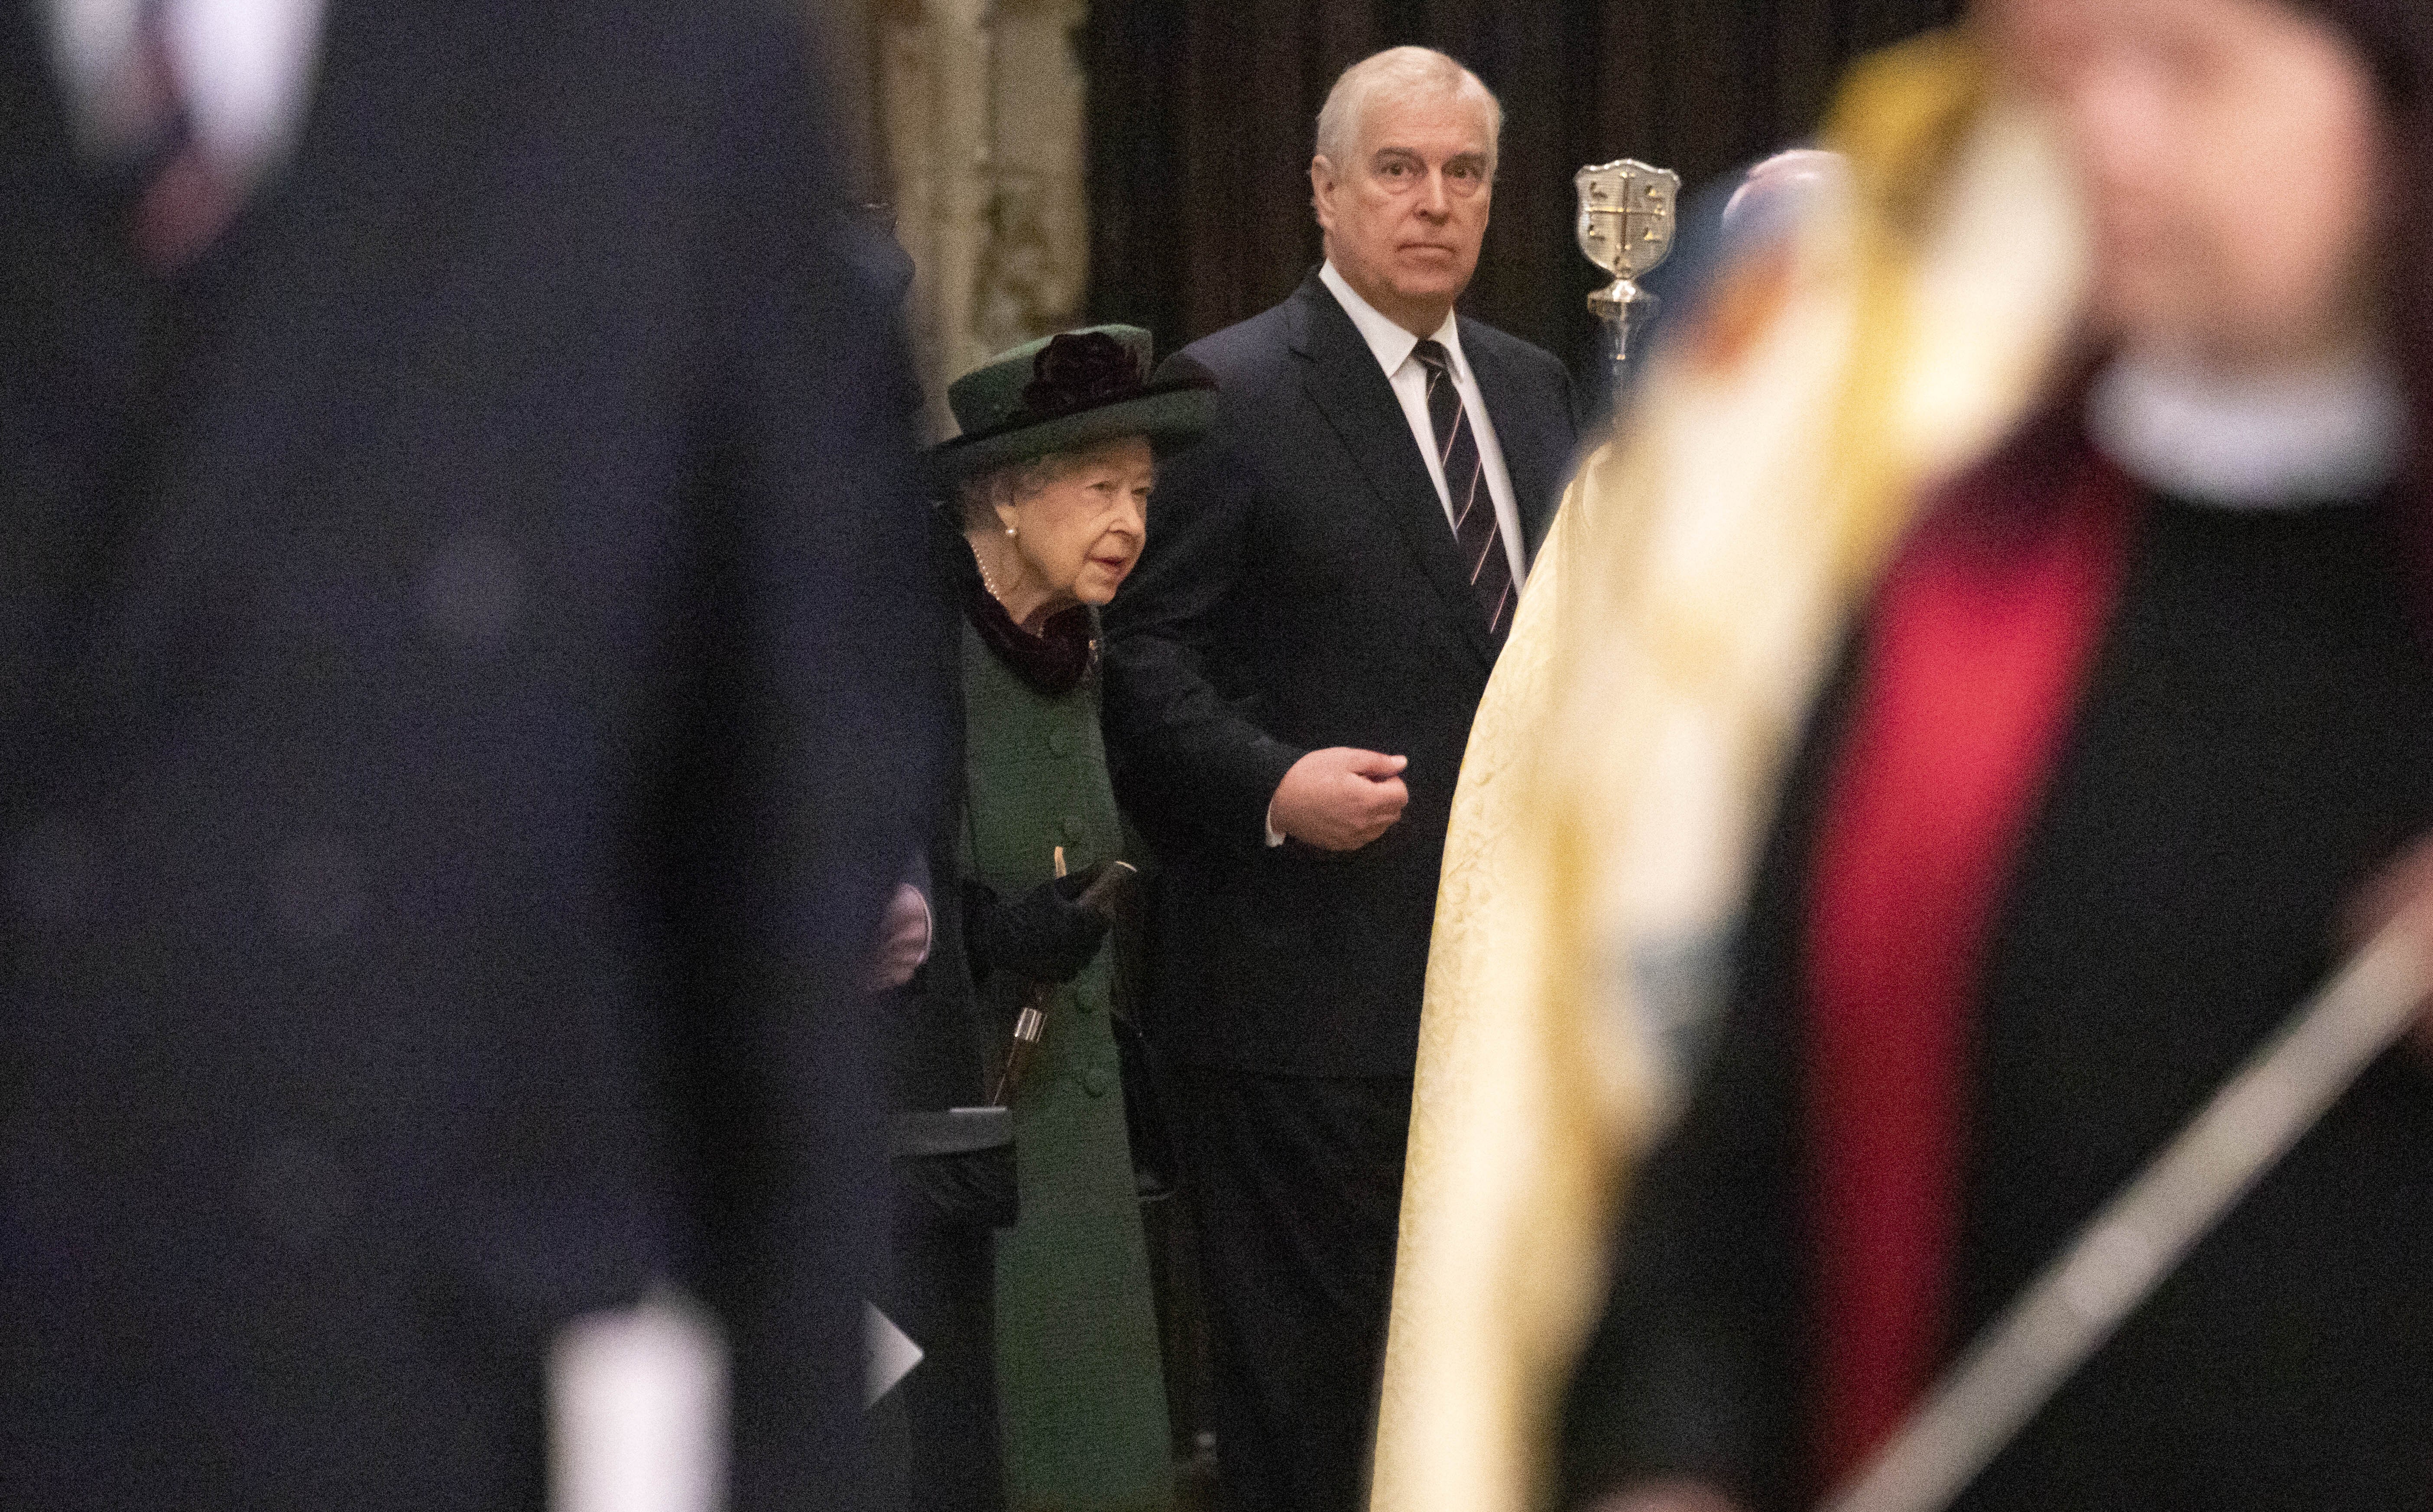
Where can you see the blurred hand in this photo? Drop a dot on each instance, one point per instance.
(1666, 1496)
(1339, 799)
(903, 940)
(2401, 892)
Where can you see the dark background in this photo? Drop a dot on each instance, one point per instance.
(1202, 114)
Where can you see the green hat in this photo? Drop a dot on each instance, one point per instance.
(1070, 390)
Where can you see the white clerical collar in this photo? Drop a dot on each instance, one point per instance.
(244, 67)
(1391, 342)
(2276, 441)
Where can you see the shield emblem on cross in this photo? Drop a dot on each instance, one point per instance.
(1625, 225)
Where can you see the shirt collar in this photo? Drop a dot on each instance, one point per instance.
(2283, 440)
(1390, 343)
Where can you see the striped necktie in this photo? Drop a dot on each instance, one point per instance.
(178, 201)
(1473, 508)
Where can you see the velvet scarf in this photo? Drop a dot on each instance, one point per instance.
(1053, 662)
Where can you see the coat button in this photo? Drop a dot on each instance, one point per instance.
(302, 1193)
(1095, 1081)
(473, 590)
(318, 885)
(52, 872)
(1072, 828)
(1060, 742)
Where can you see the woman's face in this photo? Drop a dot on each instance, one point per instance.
(2232, 159)
(1081, 533)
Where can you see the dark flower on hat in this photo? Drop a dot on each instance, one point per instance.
(1079, 369)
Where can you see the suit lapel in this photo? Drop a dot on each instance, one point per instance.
(1344, 382)
(311, 292)
(332, 268)
(1531, 453)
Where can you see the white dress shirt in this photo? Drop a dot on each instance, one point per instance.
(244, 72)
(1393, 347)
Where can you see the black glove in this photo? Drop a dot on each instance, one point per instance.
(1042, 935)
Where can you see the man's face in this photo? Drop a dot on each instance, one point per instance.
(2232, 159)
(1404, 217)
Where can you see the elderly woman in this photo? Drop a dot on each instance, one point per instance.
(2141, 708)
(1044, 491)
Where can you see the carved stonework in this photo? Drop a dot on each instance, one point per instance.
(982, 113)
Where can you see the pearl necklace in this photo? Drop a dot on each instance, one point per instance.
(988, 580)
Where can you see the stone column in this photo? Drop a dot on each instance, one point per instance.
(982, 111)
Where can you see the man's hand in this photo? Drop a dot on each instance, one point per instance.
(903, 940)
(1339, 799)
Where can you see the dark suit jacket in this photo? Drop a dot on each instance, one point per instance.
(464, 694)
(1302, 588)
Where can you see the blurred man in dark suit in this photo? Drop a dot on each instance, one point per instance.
(462, 704)
(1291, 678)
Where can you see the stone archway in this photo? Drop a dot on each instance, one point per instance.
(981, 122)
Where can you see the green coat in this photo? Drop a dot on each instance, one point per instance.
(1083, 1401)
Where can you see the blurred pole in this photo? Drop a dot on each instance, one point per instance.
(2077, 1302)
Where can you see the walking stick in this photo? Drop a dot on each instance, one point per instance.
(1100, 897)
